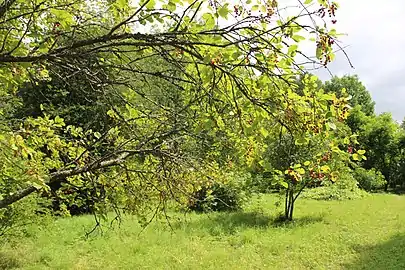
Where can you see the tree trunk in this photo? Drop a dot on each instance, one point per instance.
(386, 186)
(291, 206)
(289, 203)
(287, 193)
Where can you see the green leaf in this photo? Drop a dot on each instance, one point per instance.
(220, 122)
(284, 184)
(151, 4)
(223, 11)
(318, 52)
(121, 4)
(331, 125)
(307, 2)
(301, 141)
(325, 168)
(58, 120)
(261, 163)
(209, 20)
(301, 171)
(264, 132)
(361, 152)
(292, 48)
(36, 185)
(171, 6)
(236, 54)
(307, 163)
(356, 157)
(298, 38)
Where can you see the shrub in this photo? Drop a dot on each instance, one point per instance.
(15, 218)
(369, 179)
(260, 183)
(228, 195)
(345, 188)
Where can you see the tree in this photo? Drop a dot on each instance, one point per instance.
(355, 88)
(71, 96)
(234, 67)
(379, 136)
(357, 119)
(311, 143)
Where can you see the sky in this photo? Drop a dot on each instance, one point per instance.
(375, 43)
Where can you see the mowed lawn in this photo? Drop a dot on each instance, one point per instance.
(360, 234)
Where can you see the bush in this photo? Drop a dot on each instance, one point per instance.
(260, 183)
(369, 179)
(15, 218)
(228, 195)
(345, 188)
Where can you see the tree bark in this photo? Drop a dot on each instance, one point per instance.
(289, 203)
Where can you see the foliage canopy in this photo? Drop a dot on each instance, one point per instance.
(184, 87)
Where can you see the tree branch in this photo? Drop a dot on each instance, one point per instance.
(59, 175)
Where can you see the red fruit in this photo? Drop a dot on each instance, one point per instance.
(350, 150)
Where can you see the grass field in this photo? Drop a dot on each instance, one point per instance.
(361, 234)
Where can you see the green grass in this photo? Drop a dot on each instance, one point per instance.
(360, 234)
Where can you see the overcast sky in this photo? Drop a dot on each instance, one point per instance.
(376, 46)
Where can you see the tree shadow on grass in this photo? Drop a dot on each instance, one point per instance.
(387, 255)
(232, 222)
(297, 222)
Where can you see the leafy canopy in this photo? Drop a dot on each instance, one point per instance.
(230, 70)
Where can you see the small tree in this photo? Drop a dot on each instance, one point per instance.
(355, 88)
(318, 132)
